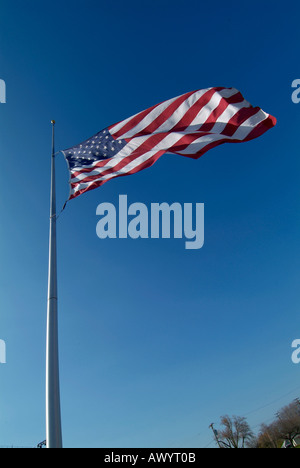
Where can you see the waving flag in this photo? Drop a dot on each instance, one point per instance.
(188, 125)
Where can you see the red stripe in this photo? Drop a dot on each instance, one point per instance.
(238, 119)
(186, 141)
(210, 146)
(150, 142)
(90, 169)
(261, 128)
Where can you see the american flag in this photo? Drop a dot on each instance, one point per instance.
(188, 125)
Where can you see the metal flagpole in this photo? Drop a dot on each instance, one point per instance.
(53, 415)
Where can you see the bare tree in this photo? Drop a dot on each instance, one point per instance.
(269, 436)
(289, 421)
(286, 427)
(235, 432)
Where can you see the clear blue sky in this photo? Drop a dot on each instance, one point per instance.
(156, 342)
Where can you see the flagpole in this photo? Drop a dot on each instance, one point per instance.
(53, 414)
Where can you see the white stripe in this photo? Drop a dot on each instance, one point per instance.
(201, 142)
(169, 140)
(132, 165)
(244, 129)
(121, 124)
